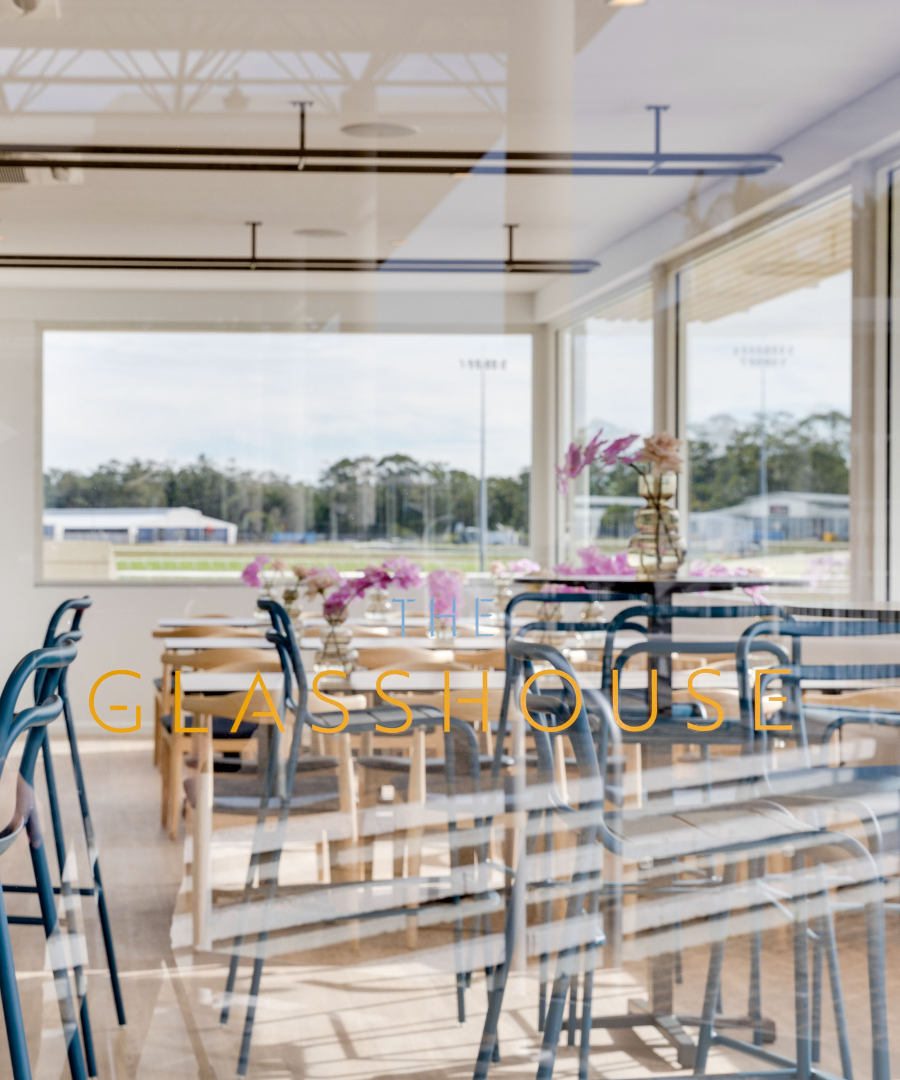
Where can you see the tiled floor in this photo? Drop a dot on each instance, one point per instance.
(345, 1012)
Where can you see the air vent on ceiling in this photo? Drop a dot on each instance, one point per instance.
(12, 174)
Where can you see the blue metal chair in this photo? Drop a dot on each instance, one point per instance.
(276, 799)
(778, 829)
(51, 638)
(50, 665)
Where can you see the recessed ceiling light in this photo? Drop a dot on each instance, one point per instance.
(379, 131)
(320, 234)
(625, 3)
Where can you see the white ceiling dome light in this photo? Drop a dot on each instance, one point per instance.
(379, 130)
(320, 234)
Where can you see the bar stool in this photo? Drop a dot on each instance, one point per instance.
(675, 834)
(49, 664)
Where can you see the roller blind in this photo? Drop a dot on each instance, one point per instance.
(796, 252)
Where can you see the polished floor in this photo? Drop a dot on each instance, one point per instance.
(362, 1011)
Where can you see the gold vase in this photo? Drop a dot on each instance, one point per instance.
(656, 550)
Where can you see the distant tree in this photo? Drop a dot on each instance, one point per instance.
(812, 454)
(394, 496)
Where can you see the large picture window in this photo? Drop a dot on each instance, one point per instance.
(767, 326)
(610, 357)
(177, 454)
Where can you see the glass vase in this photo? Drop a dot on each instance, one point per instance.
(656, 550)
(379, 607)
(259, 614)
(335, 653)
(503, 593)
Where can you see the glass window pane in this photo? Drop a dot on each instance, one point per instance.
(611, 391)
(767, 333)
(351, 445)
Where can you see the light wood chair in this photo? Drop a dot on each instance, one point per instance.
(331, 853)
(410, 659)
(173, 746)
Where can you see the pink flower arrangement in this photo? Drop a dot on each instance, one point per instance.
(662, 452)
(250, 573)
(524, 566)
(336, 603)
(593, 561)
(445, 586)
(578, 458)
(701, 568)
(403, 573)
(263, 571)
(318, 581)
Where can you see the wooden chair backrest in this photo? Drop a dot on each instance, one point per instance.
(410, 659)
(213, 659)
(486, 660)
(204, 631)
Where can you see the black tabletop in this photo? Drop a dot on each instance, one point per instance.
(632, 586)
(880, 611)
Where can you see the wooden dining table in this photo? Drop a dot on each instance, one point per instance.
(218, 682)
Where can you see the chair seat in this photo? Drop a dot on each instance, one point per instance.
(388, 763)
(221, 727)
(237, 793)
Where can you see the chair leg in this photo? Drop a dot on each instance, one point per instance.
(829, 947)
(754, 1003)
(816, 1004)
(173, 791)
(164, 782)
(68, 898)
(94, 858)
(590, 962)
(801, 969)
(12, 1005)
(55, 948)
(718, 924)
(488, 1045)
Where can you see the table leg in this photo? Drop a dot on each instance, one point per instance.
(414, 836)
(201, 872)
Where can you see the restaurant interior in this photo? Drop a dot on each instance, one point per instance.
(449, 539)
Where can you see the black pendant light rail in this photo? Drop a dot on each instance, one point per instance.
(330, 265)
(387, 161)
(391, 265)
(398, 162)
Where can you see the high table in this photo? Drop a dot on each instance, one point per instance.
(459, 644)
(878, 610)
(656, 753)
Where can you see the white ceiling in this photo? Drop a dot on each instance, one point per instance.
(739, 75)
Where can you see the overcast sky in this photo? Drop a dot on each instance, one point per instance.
(294, 403)
(811, 330)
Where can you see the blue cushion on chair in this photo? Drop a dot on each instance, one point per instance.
(221, 727)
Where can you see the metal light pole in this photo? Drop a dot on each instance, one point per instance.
(482, 493)
(482, 366)
(763, 357)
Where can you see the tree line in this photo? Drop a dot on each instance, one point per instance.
(811, 454)
(360, 498)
